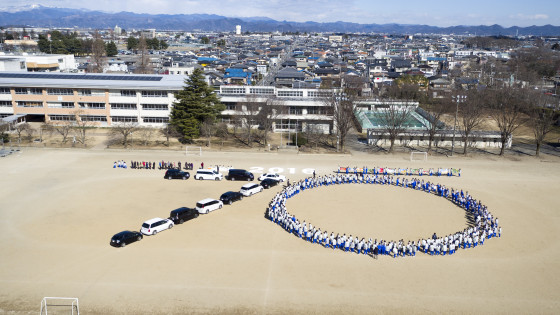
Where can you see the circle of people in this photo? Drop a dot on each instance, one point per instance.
(485, 225)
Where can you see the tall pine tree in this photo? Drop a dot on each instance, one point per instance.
(196, 102)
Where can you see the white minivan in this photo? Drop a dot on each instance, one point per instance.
(208, 174)
(208, 204)
(155, 225)
(250, 189)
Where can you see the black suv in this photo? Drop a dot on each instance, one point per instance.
(125, 237)
(180, 215)
(236, 174)
(231, 196)
(175, 173)
(269, 182)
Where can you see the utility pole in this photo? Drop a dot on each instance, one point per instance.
(457, 99)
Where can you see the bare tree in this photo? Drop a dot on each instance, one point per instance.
(248, 116)
(208, 129)
(20, 129)
(63, 129)
(29, 132)
(222, 132)
(81, 126)
(143, 65)
(268, 114)
(146, 134)
(98, 53)
(471, 113)
(507, 107)
(122, 132)
(542, 118)
(169, 131)
(394, 118)
(341, 105)
(434, 108)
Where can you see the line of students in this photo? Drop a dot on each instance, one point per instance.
(485, 225)
(399, 171)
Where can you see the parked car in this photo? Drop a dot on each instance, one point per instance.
(208, 204)
(124, 238)
(208, 174)
(180, 215)
(275, 176)
(155, 225)
(238, 174)
(230, 196)
(269, 182)
(250, 189)
(175, 173)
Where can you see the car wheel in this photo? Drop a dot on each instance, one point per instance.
(241, 197)
(217, 178)
(123, 244)
(184, 177)
(230, 202)
(170, 226)
(155, 232)
(168, 177)
(139, 238)
(232, 179)
(181, 221)
(220, 207)
(206, 212)
(248, 179)
(196, 215)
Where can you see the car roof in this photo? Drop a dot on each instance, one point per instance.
(123, 233)
(153, 220)
(180, 209)
(206, 200)
(230, 193)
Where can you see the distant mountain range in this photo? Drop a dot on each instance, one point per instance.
(41, 16)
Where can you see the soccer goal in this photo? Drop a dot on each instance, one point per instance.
(193, 151)
(57, 304)
(418, 156)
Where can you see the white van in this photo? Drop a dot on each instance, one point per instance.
(155, 225)
(250, 189)
(208, 174)
(208, 204)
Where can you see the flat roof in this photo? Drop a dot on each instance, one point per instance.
(95, 81)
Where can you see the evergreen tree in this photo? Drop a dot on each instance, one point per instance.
(195, 103)
(111, 49)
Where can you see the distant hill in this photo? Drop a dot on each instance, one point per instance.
(40, 16)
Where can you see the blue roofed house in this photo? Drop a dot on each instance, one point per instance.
(238, 76)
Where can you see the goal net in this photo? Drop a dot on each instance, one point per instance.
(418, 156)
(60, 305)
(193, 151)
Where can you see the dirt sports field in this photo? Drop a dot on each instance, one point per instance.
(60, 207)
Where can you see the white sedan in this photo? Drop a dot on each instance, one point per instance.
(274, 176)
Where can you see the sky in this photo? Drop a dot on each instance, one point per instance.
(429, 12)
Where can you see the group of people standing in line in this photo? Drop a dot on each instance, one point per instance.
(162, 165)
(400, 171)
(484, 225)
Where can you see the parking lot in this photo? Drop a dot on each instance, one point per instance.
(59, 209)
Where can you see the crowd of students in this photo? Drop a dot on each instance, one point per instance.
(399, 171)
(484, 225)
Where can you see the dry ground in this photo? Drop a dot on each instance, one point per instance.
(60, 207)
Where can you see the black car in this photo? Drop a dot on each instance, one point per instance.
(175, 173)
(123, 238)
(269, 182)
(180, 215)
(230, 196)
(237, 174)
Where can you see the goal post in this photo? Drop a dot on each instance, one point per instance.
(193, 151)
(418, 156)
(56, 303)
